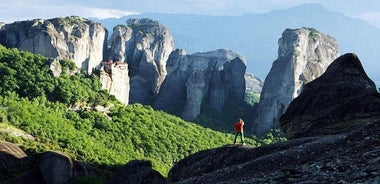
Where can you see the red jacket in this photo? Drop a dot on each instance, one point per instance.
(239, 126)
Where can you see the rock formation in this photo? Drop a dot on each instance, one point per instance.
(350, 157)
(211, 77)
(115, 79)
(334, 126)
(303, 55)
(341, 98)
(137, 171)
(10, 154)
(145, 45)
(253, 83)
(56, 168)
(74, 38)
(50, 167)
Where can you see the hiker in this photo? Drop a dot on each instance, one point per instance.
(239, 130)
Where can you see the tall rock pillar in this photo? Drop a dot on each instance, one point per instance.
(303, 55)
(145, 45)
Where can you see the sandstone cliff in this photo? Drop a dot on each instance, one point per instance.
(145, 45)
(74, 38)
(303, 55)
(211, 77)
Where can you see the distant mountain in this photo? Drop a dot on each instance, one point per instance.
(255, 36)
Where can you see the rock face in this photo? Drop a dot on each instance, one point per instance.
(253, 83)
(56, 168)
(145, 45)
(350, 157)
(137, 172)
(10, 154)
(212, 78)
(74, 38)
(115, 79)
(333, 102)
(303, 55)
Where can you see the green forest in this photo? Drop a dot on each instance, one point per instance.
(60, 113)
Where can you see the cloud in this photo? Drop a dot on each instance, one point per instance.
(371, 17)
(106, 13)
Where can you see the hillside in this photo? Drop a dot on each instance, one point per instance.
(255, 36)
(40, 112)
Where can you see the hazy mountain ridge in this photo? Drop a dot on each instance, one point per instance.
(255, 36)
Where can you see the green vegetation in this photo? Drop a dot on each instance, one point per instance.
(252, 97)
(313, 33)
(58, 112)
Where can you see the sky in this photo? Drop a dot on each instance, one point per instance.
(17, 10)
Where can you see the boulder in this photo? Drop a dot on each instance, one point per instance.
(209, 78)
(74, 38)
(145, 45)
(341, 98)
(56, 168)
(10, 154)
(137, 172)
(303, 55)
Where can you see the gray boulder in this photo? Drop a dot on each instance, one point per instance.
(56, 168)
(137, 172)
(212, 78)
(10, 154)
(74, 38)
(303, 55)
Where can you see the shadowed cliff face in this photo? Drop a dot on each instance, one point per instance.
(211, 77)
(74, 38)
(303, 55)
(335, 101)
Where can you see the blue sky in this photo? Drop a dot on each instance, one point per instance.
(10, 11)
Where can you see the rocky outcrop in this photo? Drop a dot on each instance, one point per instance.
(145, 45)
(137, 171)
(341, 98)
(303, 55)
(49, 167)
(349, 157)
(56, 168)
(10, 154)
(115, 79)
(210, 78)
(253, 83)
(74, 38)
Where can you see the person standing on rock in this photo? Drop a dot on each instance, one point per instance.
(239, 130)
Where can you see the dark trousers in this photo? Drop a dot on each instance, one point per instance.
(241, 134)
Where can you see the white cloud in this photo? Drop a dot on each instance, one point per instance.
(106, 13)
(371, 17)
